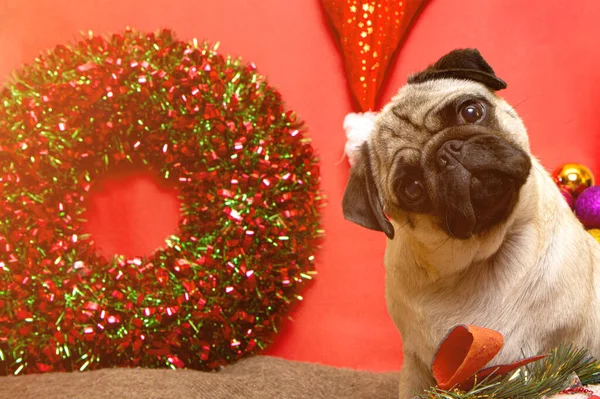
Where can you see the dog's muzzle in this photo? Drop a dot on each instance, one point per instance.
(474, 177)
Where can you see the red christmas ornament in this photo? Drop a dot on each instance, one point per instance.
(566, 193)
(369, 33)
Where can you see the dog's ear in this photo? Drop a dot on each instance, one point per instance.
(461, 64)
(361, 203)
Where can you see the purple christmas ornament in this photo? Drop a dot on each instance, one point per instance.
(587, 207)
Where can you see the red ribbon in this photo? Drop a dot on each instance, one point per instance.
(466, 349)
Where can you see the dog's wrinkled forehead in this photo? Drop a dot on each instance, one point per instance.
(421, 103)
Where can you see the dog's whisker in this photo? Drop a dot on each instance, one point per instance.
(448, 227)
(405, 223)
(452, 254)
(514, 107)
(513, 111)
(442, 244)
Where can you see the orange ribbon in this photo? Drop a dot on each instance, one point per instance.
(466, 349)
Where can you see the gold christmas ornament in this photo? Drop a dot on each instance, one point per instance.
(595, 233)
(574, 177)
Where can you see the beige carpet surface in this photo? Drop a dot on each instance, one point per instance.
(257, 377)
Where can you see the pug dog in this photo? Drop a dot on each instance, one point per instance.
(477, 231)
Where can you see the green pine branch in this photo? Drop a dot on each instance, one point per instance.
(545, 377)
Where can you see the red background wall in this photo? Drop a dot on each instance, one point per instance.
(546, 50)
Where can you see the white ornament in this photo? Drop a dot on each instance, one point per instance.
(358, 127)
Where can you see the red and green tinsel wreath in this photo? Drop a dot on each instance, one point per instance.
(248, 183)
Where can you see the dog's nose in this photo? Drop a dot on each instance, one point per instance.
(450, 153)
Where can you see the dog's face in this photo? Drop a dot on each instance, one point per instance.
(447, 156)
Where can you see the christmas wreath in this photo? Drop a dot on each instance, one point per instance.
(248, 183)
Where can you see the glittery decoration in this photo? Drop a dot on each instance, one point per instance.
(370, 33)
(587, 207)
(249, 225)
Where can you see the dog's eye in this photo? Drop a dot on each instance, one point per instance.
(413, 190)
(472, 112)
